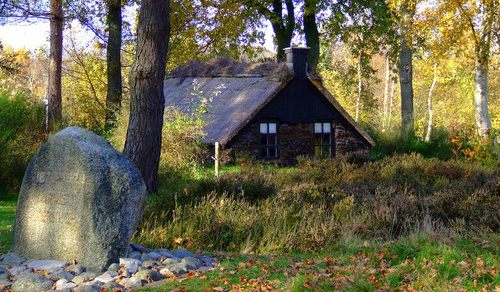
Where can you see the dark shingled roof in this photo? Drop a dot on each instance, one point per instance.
(238, 101)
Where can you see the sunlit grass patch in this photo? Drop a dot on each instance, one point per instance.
(435, 266)
(7, 213)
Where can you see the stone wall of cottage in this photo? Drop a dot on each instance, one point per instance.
(294, 140)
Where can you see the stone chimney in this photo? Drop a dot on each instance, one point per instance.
(296, 59)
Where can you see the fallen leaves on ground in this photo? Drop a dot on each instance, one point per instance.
(380, 268)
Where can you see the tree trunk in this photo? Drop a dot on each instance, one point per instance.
(406, 84)
(311, 32)
(386, 93)
(114, 73)
(391, 98)
(147, 101)
(406, 72)
(482, 38)
(360, 87)
(283, 30)
(54, 113)
(429, 106)
(481, 98)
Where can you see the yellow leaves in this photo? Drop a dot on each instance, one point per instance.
(242, 265)
(178, 240)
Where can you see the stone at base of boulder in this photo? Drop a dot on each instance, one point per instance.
(192, 263)
(114, 267)
(64, 284)
(132, 282)
(61, 274)
(182, 253)
(149, 274)
(105, 278)
(87, 289)
(46, 265)
(11, 258)
(111, 285)
(5, 284)
(33, 282)
(75, 269)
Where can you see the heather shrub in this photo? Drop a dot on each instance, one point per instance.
(267, 209)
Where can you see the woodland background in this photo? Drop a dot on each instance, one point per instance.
(420, 212)
(355, 50)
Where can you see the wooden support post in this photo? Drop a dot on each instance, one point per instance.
(217, 160)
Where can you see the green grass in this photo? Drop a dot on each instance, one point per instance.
(435, 264)
(8, 204)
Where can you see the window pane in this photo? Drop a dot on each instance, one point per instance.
(272, 128)
(317, 139)
(327, 128)
(327, 139)
(317, 150)
(272, 140)
(273, 152)
(263, 140)
(263, 152)
(328, 151)
(317, 128)
(263, 128)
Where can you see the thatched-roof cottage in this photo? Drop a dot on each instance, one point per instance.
(272, 116)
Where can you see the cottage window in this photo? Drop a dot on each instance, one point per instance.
(323, 139)
(269, 140)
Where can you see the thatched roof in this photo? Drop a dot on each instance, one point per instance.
(238, 101)
(225, 67)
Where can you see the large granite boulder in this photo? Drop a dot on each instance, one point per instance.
(80, 200)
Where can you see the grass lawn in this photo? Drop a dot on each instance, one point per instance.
(423, 262)
(420, 263)
(7, 212)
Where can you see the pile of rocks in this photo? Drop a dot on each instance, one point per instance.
(140, 267)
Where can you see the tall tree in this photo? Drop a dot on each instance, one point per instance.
(114, 72)
(429, 106)
(283, 24)
(24, 10)
(366, 28)
(311, 32)
(54, 113)
(407, 10)
(147, 100)
(474, 26)
(481, 26)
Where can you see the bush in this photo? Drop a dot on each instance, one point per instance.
(267, 209)
(390, 143)
(21, 134)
